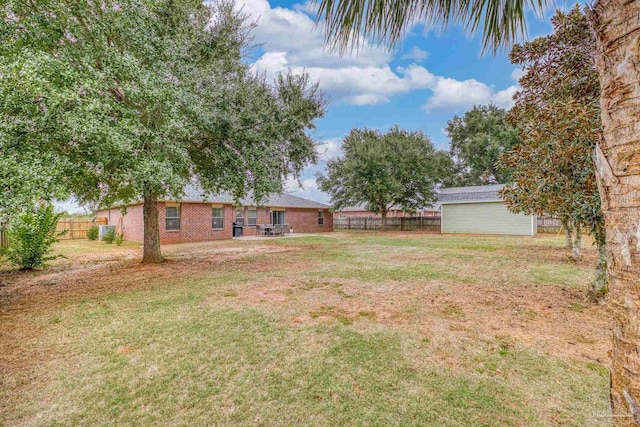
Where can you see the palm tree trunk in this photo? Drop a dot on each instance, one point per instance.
(616, 24)
(151, 251)
(577, 242)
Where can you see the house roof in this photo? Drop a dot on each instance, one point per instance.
(194, 193)
(478, 193)
(362, 207)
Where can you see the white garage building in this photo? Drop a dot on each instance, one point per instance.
(480, 210)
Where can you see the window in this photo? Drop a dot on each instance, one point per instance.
(320, 218)
(239, 216)
(172, 218)
(217, 218)
(252, 217)
(277, 217)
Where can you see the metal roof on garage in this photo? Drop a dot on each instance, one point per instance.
(477, 193)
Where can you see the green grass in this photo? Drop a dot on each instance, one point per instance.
(197, 350)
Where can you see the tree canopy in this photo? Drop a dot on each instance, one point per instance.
(132, 99)
(478, 138)
(558, 115)
(397, 168)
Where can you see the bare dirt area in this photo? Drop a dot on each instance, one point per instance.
(553, 320)
(94, 273)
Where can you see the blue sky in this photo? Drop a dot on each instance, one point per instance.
(419, 85)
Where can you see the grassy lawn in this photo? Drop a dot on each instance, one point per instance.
(343, 329)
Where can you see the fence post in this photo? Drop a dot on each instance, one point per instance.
(349, 223)
(365, 224)
(401, 222)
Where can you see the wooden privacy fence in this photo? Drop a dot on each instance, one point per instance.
(549, 224)
(413, 223)
(77, 227)
(546, 224)
(4, 236)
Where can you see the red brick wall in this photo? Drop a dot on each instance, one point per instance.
(195, 222)
(302, 220)
(132, 226)
(306, 220)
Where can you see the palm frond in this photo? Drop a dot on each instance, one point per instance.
(349, 23)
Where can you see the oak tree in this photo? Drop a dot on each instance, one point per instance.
(132, 99)
(381, 170)
(478, 138)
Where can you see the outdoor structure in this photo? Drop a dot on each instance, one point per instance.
(480, 210)
(197, 218)
(394, 212)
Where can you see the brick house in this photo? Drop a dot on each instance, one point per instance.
(198, 218)
(394, 212)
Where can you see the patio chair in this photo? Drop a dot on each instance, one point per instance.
(277, 230)
(259, 230)
(285, 229)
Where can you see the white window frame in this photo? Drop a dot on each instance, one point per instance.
(249, 218)
(217, 217)
(167, 218)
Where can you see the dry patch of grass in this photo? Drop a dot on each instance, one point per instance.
(351, 328)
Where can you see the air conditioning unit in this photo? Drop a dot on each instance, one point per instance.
(104, 229)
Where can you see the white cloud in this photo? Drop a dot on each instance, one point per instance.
(450, 94)
(329, 148)
(356, 85)
(504, 98)
(416, 54)
(290, 40)
(293, 31)
(453, 95)
(517, 73)
(307, 188)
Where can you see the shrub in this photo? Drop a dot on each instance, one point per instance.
(92, 233)
(119, 239)
(31, 235)
(109, 236)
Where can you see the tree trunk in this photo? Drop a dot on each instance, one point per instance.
(151, 251)
(616, 24)
(566, 226)
(577, 242)
(383, 225)
(600, 279)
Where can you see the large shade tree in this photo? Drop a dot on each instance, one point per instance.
(381, 170)
(130, 100)
(478, 138)
(616, 25)
(557, 112)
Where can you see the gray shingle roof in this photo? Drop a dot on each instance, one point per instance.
(194, 193)
(478, 193)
